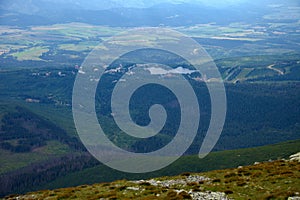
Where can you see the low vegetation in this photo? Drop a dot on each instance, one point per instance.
(77, 170)
(267, 180)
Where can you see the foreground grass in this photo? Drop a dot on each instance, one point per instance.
(268, 180)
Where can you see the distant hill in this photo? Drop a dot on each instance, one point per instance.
(140, 13)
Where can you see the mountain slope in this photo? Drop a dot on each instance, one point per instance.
(268, 180)
(214, 161)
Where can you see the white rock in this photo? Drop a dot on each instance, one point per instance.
(295, 157)
(133, 188)
(209, 196)
(294, 198)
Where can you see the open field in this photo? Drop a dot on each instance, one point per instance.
(236, 39)
(33, 53)
(11, 161)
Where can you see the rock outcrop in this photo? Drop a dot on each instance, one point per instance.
(295, 157)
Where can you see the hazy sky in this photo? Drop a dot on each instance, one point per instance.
(213, 2)
(29, 6)
(147, 3)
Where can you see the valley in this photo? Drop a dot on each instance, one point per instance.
(255, 46)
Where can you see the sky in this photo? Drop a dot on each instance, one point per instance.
(149, 3)
(213, 2)
(29, 6)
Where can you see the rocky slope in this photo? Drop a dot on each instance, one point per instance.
(278, 179)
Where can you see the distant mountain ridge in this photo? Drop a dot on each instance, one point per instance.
(134, 13)
(31, 6)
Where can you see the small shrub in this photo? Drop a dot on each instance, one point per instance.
(156, 191)
(192, 184)
(286, 172)
(197, 190)
(12, 196)
(232, 179)
(144, 183)
(228, 192)
(121, 188)
(282, 164)
(269, 196)
(248, 173)
(185, 174)
(256, 174)
(110, 194)
(241, 171)
(217, 180)
(171, 194)
(150, 187)
(240, 183)
(64, 195)
(184, 195)
(229, 175)
(201, 182)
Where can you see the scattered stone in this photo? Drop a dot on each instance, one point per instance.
(170, 183)
(167, 183)
(133, 188)
(196, 178)
(208, 196)
(184, 181)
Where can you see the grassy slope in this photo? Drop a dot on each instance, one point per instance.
(11, 161)
(14, 161)
(214, 161)
(269, 180)
(30, 54)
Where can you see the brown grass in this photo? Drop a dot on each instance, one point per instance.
(268, 180)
